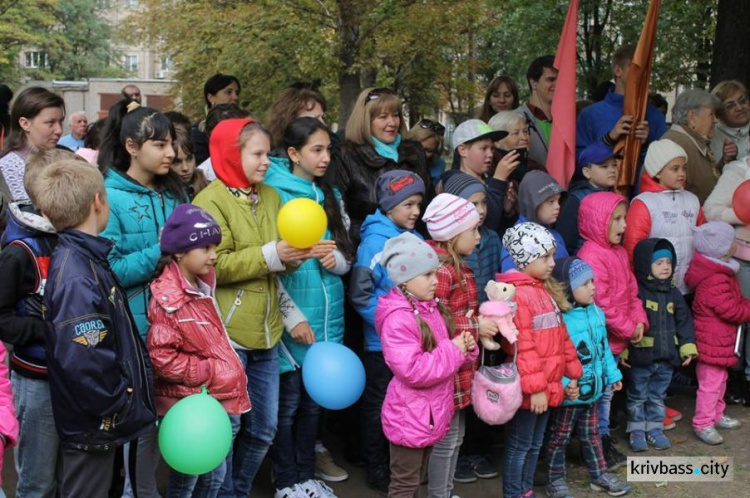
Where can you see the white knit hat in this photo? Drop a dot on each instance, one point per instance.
(659, 154)
(448, 216)
(527, 242)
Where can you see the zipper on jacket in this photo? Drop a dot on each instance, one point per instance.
(265, 322)
(288, 355)
(141, 361)
(325, 318)
(237, 302)
(223, 327)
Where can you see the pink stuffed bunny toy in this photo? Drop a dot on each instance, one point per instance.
(500, 309)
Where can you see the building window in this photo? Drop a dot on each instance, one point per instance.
(166, 63)
(131, 4)
(36, 59)
(131, 63)
(102, 4)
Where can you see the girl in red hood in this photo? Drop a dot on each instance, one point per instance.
(545, 352)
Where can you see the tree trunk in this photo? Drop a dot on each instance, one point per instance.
(731, 57)
(349, 52)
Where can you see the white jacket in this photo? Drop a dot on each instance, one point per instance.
(718, 205)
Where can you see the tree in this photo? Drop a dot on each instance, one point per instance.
(23, 23)
(731, 49)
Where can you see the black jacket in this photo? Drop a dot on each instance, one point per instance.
(28, 242)
(101, 380)
(355, 170)
(670, 334)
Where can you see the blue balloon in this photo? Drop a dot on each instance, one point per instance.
(333, 375)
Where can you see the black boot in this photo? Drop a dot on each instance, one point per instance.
(614, 458)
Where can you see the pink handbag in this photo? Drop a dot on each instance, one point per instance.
(496, 392)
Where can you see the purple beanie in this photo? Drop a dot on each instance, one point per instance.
(189, 227)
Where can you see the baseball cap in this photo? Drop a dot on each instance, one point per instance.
(475, 129)
(596, 153)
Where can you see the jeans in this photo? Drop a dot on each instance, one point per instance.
(709, 400)
(444, 457)
(374, 444)
(604, 405)
(86, 473)
(142, 458)
(293, 451)
(646, 391)
(523, 441)
(581, 420)
(255, 430)
(744, 278)
(203, 486)
(37, 455)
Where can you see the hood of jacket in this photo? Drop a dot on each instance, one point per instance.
(24, 221)
(174, 291)
(701, 268)
(280, 177)
(535, 188)
(121, 181)
(380, 224)
(516, 278)
(582, 188)
(224, 147)
(594, 216)
(394, 302)
(642, 256)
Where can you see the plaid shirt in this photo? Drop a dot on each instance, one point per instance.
(459, 293)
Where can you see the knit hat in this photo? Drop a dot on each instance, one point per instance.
(475, 129)
(661, 253)
(189, 227)
(461, 184)
(713, 239)
(527, 242)
(448, 216)
(407, 256)
(573, 272)
(659, 154)
(394, 187)
(224, 147)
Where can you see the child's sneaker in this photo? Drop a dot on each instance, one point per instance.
(313, 488)
(611, 484)
(481, 467)
(558, 489)
(326, 468)
(658, 440)
(709, 435)
(675, 415)
(637, 441)
(668, 423)
(728, 423)
(464, 473)
(290, 492)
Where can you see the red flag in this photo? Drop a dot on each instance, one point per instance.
(636, 96)
(561, 156)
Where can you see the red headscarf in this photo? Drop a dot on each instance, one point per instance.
(224, 147)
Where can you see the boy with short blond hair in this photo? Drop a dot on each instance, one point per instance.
(100, 375)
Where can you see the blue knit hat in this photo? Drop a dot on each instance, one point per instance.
(661, 253)
(461, 184)
(395, 186)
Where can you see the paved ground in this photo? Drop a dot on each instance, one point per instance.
(684, 444)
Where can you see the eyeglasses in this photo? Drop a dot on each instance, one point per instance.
(428, 124)
(376, 93)
(736, 104)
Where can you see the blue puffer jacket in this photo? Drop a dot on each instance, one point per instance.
(318, 293)
(369, 279)
(588, 332)
(484, 261)
(136, 216)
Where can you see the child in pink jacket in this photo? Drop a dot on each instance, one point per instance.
(8, 421)
(418, 349)
(601, 221)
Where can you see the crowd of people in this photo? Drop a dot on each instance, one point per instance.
(142, 262)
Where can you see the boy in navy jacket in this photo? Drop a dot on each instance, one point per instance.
(100, 375)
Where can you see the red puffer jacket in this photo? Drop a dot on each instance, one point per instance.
(189, 346)
(718, 309)
(545, 352)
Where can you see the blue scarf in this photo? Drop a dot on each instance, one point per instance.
(388, 151)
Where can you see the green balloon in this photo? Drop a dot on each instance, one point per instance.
(195, 434)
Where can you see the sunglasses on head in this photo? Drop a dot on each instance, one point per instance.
(313, 85)
(376, 93)
(428, 124)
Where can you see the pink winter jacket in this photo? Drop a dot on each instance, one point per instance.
(718, 309)
(616, 286)
(418, 405)
(8, 421)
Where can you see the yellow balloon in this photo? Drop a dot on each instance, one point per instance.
(302, 222)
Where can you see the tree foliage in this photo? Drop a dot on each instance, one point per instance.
(23, 23)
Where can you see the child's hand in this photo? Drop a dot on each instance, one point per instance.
(617, 386)
(571, 390)
(487, 328)
(507, 165)
(538, 403)
(302, 333)
(689, 359)
(471, 343)
(289, 254)
(460, 341)
(624, 363)
(637, 334)
(322, 249)
(328, 262)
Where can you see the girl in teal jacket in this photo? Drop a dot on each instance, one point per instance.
(136, 159)
(317, 290)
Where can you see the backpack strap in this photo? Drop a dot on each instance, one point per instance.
(40, 277)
